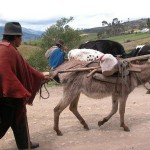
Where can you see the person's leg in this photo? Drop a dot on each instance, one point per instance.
(22, 136)
(6, 115)
(20, 128)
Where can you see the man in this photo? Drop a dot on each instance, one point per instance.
(19, 83)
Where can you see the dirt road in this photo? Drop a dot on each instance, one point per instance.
(107, 137)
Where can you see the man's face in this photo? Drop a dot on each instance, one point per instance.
(18, 40)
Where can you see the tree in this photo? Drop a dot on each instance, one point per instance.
(61, 30)
(148, 23)
(116, 27)
(111, 29)
(104, 23)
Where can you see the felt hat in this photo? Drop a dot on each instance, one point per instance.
(12, 28)
(60, 42)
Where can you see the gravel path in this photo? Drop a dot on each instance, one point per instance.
(107, 137)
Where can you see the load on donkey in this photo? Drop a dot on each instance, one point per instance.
(78, 77)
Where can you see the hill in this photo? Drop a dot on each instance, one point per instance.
(28, 34)
(136, 24)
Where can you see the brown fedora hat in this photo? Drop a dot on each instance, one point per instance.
(12, 28)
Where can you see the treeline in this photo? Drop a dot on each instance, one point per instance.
(117, 27)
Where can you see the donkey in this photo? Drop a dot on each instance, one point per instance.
(75, 83)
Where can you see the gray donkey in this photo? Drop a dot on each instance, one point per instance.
(75, 83)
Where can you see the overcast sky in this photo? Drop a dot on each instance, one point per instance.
(40, 14)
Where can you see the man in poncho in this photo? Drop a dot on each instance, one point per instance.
(19, 83)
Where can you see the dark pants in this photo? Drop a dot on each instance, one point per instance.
(13, 114)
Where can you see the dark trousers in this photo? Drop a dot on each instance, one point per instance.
(12, 114)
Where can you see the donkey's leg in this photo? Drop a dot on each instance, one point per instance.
(73, 108)
(113, 110)
(63, 103)
(122, 112)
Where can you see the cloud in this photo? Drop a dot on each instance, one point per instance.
(87, 14)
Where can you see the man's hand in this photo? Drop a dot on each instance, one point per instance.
(46, 79)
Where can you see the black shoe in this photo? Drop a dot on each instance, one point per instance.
(32, 146)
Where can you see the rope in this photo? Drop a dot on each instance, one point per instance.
(123, 65)
(40, 91)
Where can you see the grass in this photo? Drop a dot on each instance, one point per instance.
(90, 37)
(27, 50)
(129, 42)
(130, 37)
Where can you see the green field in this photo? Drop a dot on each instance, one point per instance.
(28, 50)
(129, 41)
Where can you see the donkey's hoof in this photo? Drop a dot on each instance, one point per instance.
(148, 92)
(126, 129)
(59, 133)
(100, 123)
(86, 127)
